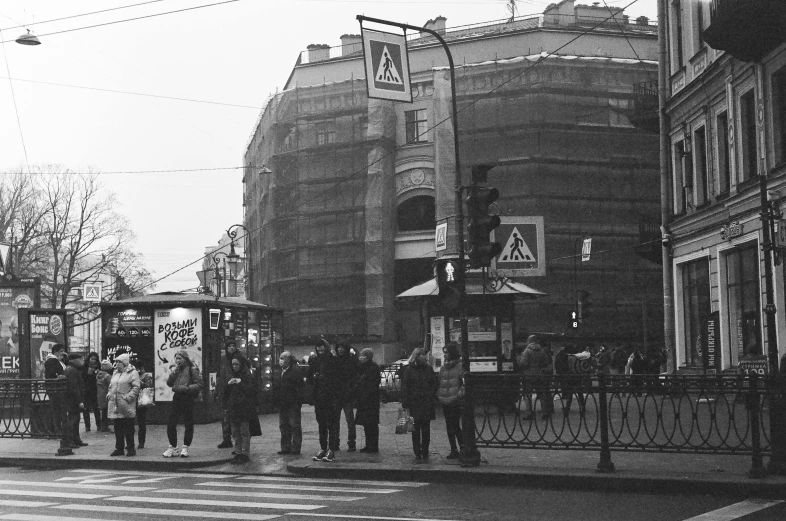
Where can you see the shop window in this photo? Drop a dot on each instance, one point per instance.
(416, 123)
(779, 112)
(417, 213)
(696, 306)
(724, 176)
(702, 192)
(748, 135)
(743, 301)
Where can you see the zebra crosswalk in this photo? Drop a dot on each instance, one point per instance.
(98, 495)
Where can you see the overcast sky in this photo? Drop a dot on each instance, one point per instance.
(237, 53)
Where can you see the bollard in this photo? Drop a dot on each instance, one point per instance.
(605, 465)
(757, 470)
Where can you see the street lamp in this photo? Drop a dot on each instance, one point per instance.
(219, 279)
(233, 259)
(28, 39)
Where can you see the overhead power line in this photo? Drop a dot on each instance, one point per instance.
(134, 93)
(132, 19)
(84, 14)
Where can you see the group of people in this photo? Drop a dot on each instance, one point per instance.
(110, 391)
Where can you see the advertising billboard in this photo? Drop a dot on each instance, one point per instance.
(129, 331)
(39, 329)
(13, 297)
(174, 330)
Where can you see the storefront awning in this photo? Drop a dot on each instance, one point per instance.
(475, 287)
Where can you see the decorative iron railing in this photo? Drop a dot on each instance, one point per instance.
(32, 408)
(696, 414)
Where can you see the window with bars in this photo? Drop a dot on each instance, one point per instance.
(416, 122)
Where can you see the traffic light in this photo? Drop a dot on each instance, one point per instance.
(481, 224)
(574, 319)
(584, 305)
(448, 273)
(480, 173)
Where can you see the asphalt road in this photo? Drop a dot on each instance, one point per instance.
(66, 495)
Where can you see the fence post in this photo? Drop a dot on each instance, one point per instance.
(605, 465)
(757, 464)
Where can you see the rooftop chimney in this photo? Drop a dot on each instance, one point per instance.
(318, 52)
(351, 44)
(437, 24)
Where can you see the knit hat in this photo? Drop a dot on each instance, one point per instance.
(106, 365)
(532, 339)
(124, 358)
(368, 353)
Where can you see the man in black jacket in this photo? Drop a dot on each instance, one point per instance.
(224, 374)
(74, 401)
(289, 400)
(323, 375)
(347, 382)
(54, 367)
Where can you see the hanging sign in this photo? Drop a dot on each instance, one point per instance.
(387, 66)
(523, 251)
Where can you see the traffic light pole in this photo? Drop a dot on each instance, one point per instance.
(470, 456)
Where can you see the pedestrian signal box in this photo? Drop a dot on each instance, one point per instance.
(448, 273)
(574, 319)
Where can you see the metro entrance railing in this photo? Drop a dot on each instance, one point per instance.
(34, 409)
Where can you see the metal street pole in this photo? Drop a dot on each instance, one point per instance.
(470, 456)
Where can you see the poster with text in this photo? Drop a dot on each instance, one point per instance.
(45, 327)
(12, 298)
(174, 330)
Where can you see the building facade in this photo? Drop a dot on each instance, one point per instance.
(726, 120)
(346, 219)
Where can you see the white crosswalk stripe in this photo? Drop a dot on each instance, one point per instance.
(124, 496)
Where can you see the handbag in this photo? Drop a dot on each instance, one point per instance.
(146, 398)
(404, 424)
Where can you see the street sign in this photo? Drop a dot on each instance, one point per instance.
(441, 237)
(91, 292)
(387, 66)
(586, 248)
(523, 250)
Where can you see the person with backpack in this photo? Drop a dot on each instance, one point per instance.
(186, 384)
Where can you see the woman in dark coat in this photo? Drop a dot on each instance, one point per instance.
(241, 406)
(368, 400)
(419, 395)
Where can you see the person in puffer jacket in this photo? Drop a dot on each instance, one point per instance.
(451, 376)
(123, 391)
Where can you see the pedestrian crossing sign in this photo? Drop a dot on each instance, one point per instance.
(91, 292)
(441, 237)
(387, 66)
(523, 247)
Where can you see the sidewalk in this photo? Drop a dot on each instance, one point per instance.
(635, 471)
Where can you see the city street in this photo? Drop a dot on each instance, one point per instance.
(42, 495)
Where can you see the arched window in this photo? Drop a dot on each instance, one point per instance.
(416, 213)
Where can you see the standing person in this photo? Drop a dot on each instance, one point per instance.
(123, 392)
(537, 367)
(418, 395)
(289, 400)
(241, 405)
(348, 369)
(186, 383)
(224, 374)
(75, 398)
(368, 400)
(146, 382)
(570, 383)
(103, 377)
(89, 373)
(451, 376)
(54, 369)
(323, 374)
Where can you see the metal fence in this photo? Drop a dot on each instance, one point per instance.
(27, 410)
(714, 414)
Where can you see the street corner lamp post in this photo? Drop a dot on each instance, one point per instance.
(219, 279)
(470, 456)
(233, 259)
(28, 39)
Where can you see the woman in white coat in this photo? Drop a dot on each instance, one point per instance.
(123, 391)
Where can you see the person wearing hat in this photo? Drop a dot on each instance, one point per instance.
(224, 372)
(103, 377)
(74, 401)
(54, 369)
(368, 400)
(123, 391)
(537, 367)
(186, 384)
(323, 374)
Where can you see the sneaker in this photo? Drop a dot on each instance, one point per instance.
(184, 451)
(226, 444)
(131, 452)
(329, 457)
(240, 459)
(117, 452)
(170, 452)
(321, 455)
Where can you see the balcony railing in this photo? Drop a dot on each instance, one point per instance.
(746, 29)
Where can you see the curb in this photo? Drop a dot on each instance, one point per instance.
(619, 481)
(126, 464)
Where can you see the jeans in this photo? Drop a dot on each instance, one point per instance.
(421, 437)
(242, 437)
(328, 419)
(349, 416)
(290, 427)
(141, 421)
(124, 431)
(72, 426)
(182, 405)
(226, 426)
(453, 423)
(59, 413)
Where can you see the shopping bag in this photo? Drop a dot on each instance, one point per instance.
(145, 398)
(404, 421)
